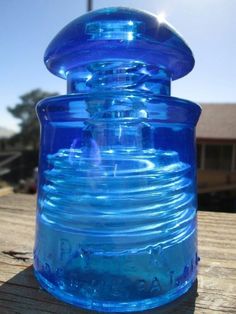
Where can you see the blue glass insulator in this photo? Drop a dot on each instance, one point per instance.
(116, 217)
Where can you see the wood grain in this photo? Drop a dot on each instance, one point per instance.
(215, 291)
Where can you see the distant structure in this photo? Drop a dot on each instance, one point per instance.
(89, 5)
(216, 148)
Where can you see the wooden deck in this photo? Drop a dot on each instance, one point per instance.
(215, 291)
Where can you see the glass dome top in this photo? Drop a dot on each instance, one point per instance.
(118, 33)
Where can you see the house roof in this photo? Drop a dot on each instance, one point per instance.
(217, 121)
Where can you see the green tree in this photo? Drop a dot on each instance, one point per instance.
(25, 111)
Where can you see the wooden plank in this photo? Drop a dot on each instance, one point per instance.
(215, 291)
(6, 190)
(217, 188)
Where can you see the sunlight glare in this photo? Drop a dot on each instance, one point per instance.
(161, 17)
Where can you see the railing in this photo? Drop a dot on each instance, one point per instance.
(10, 156)
(216, 181)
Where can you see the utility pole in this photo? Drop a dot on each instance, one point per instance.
(89, 5)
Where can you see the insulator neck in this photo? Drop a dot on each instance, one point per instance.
(102, 76)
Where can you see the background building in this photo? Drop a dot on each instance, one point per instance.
(216, 150)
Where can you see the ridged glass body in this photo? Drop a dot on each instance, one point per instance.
(116, 222)
(116, 219)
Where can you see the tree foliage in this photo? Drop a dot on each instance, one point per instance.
(25, 111)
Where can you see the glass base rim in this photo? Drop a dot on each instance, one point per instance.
(115, 307)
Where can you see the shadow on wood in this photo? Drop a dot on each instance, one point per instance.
(22, 294)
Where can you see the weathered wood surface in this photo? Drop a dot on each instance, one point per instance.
(20, 292)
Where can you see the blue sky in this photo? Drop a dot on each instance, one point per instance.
(26, 28)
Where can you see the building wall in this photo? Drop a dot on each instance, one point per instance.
(216, 165)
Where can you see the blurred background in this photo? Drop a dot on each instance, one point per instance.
(209, 28)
